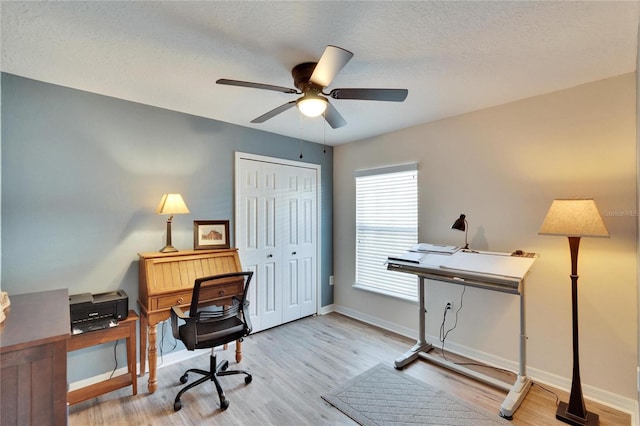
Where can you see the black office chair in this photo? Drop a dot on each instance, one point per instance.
(211, 326)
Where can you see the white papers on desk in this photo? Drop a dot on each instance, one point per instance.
(434, 248)
(423, 259)
(489, 263)
(410, 256)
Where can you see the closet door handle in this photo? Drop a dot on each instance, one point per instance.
(269, 256)
(293, 253)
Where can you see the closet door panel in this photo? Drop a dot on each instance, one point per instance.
(277, 237)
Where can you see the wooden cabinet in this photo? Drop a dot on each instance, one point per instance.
(33, 359)
(166, 280)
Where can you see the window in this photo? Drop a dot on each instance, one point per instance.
(386, 224)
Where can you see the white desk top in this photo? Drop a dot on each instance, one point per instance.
(481, 267)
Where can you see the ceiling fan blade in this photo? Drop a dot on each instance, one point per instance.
(333, 117)
(256, 85)
(332, 61)
(274, 112)
(391, 95)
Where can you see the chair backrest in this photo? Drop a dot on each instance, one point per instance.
(241, 278)
(206, 328)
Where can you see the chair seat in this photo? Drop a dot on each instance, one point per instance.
(211, 326)
(201, 335)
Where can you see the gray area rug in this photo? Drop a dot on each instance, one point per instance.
(385, 396)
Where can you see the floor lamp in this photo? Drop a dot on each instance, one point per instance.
(574, 218)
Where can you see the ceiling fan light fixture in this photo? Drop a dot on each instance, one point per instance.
(311, 105)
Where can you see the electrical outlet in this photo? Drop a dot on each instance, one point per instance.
(330, 279)
(449, 306)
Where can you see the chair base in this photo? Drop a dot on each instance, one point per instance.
(214, 372)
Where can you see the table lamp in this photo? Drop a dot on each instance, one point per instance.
(171, 204)
(461, 225)
(574, 218)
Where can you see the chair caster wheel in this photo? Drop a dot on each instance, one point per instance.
(248, 379)
(177, 405)
(224, 365)
(224, 404)
(184, 379)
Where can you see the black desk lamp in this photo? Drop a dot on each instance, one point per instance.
(574, 218)
(461, 225)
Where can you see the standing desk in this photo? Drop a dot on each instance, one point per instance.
(485, 270)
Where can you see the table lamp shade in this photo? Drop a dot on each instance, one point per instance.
(574, 218)
(172, 204)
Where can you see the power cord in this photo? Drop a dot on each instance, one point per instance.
(549, 391)
(509, 371)
(115, 358)
(162, 334)
(443, 333)
(443, 338)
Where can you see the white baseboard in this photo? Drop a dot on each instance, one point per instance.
(618, 402)
(328, 309)
(164, 361)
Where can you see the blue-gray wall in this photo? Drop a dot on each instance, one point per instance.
(82, 175)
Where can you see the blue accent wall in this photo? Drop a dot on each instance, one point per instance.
(82, 175)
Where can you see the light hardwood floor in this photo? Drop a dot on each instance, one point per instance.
(293, 366)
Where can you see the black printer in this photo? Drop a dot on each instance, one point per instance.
(97, 311)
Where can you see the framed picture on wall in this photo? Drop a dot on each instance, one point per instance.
(210, 234)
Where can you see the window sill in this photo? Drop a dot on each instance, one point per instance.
(413, 299)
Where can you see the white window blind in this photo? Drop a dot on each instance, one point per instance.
(386, 224)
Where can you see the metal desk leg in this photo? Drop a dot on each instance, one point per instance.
(523, 383)
(421, 344)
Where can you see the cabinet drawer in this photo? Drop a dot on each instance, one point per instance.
(177, 298)
(207, 294)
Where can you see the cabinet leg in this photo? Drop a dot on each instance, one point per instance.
(238, 351)
(144, 324)
(153, 357)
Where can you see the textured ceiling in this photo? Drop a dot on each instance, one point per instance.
(453, 57)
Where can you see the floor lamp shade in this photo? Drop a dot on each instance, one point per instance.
(171, 204)
(574, 218)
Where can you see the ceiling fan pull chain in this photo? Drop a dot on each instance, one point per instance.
(300, 138)
(324, 132)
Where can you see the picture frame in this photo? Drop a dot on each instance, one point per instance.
(210, 234)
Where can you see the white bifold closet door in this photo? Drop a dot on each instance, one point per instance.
(276, 234)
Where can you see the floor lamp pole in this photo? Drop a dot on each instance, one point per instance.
(575, 412)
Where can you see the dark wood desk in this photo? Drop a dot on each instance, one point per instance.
(126, 329)
(33, 359)
(166, 280)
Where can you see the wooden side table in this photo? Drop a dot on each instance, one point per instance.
(126, 329)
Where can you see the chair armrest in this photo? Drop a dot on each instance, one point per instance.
(176, 313)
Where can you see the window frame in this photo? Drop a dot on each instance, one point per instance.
(369, 254)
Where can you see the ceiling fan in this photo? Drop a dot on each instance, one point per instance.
(310, 79)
